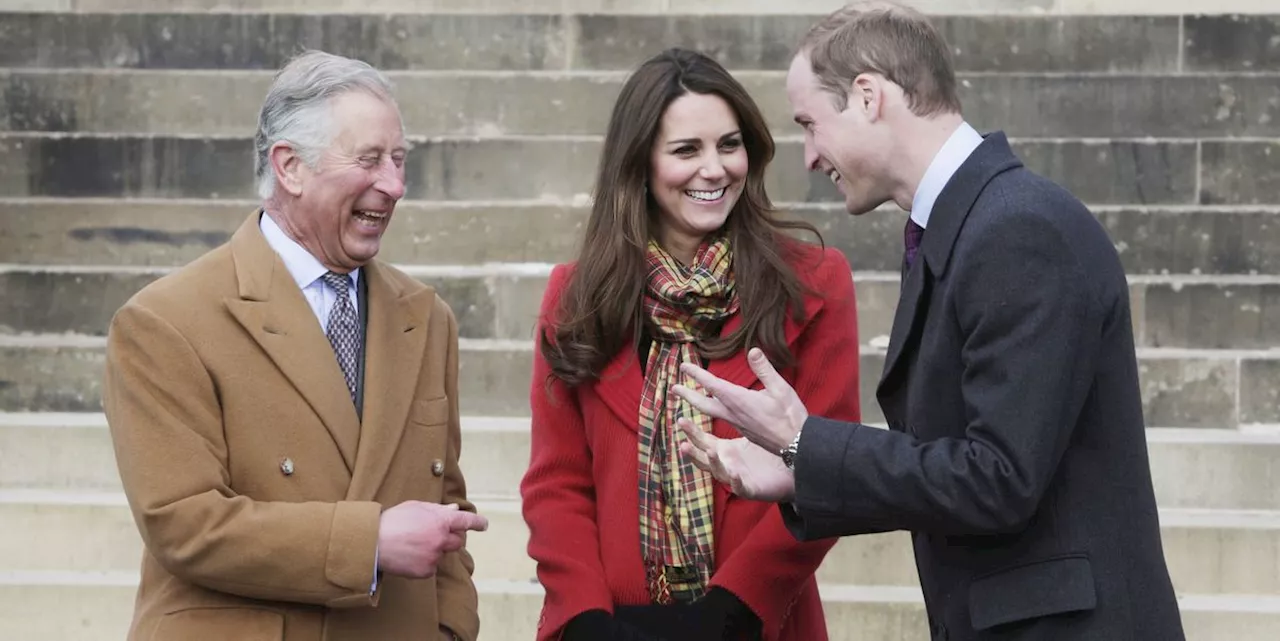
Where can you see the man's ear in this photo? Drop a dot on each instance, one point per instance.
(867, 94)
(288, 167)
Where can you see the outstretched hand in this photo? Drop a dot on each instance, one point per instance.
(770, 417)
(749, 470)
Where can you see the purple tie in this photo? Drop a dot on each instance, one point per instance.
(911, 236)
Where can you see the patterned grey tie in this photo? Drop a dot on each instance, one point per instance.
(344, 329)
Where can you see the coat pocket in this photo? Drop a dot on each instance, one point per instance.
(432, 411)
(1055, 585)
(241, 624)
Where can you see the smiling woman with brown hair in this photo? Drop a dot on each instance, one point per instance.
(684, 259)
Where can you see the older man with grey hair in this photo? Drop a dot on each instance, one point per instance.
(285, 408)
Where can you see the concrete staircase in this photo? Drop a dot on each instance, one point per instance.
(125, 151)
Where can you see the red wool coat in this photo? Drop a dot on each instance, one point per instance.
(580, 496)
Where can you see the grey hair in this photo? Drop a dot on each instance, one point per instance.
(296, 109)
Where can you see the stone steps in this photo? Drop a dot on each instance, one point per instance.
(1180, 387)
(117, 163)
(96, 606)
(508, 103)
(502, 301)
(1228, 171)
(641, 7)
(72, 453)
(1208, 551)
(577, 40)
(1219, 469)
(57, 530)
(135, 233)
(587, 34)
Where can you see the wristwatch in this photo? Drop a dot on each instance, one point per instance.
(788, 453)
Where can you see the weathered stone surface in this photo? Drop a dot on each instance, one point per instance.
(497, 306)
(55, 537)
(55, 303)
(1213, 316)
(266, 41)
(471, 302)
(1260, 391)
(502, 169)
(80, 458)
(1192, 391)
(549, 103)
(486, 306)
(406, 7)
(1123, 106)
(730, 7)
(510, 610)
(1154, 241)
(1232, 43)
(1189, 392)
(46, 379)
(495, 382)
(128, 167)
(67, 457)
(1222, 475)
(1240, 173)
(1138, 313)
(126, 101)
(1202, 560)
(156, 232)
(1117, 172)
(979, 43)
(1058, 43)
(518, 300)
(1109, 172)
(1211, 560)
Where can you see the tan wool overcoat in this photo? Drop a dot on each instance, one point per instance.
(256, 487)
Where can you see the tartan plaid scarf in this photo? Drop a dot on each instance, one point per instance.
(682, 305)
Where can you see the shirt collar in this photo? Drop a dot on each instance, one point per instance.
(304, 267)
(953, 153)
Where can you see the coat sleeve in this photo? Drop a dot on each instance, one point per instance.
(1031, 333)
(456, 597)
(558, 493)
(165, 421)
(769, 569)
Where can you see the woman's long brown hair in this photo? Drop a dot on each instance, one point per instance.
(600, 309)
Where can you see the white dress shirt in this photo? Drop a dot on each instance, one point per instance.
(953, 153)
(307, 272)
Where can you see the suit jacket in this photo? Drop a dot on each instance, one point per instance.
(1016, 452)
(218, 373)
(580, 491)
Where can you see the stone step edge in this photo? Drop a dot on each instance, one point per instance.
(651, 8)
(748, 73)
(831, 592)
(1169, 517)
(106, 498)
(577, 202)
(1247, 435)
(790, 139)
(543, 269)
(59, 420)
(84, 341)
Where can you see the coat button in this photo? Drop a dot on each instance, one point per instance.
(437, 467)
(286, 466)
